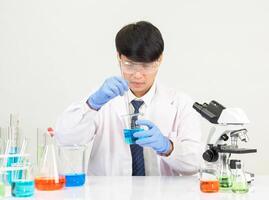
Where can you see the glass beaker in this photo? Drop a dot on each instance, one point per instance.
(48, 177)
(225, 175)
(209, 178)
(239, 180)
(73, 164)
(22, 181)
(130, 127)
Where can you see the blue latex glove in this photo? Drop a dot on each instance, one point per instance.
(152, 137)
(111, 88)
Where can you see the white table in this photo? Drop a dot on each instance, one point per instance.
(153, 188)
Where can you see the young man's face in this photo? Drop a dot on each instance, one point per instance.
(139, 75)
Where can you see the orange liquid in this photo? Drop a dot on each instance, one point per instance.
(43, 183)
(209, 186)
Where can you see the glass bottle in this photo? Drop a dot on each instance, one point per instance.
(208, 178)
(225, 175)
(239, 180)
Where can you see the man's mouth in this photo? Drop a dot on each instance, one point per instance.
(136, 84)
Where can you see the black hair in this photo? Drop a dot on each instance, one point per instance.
(140, 42)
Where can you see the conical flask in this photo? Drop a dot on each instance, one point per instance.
(239, 180)
(48, 177)
(225, 175)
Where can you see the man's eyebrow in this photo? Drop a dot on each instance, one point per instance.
(128, 60)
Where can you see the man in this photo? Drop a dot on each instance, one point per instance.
(170, 145)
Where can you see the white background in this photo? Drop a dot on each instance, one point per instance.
(53, 52)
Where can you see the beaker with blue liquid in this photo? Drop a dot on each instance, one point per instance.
(73, 164)
(22, 180)
(130, 127)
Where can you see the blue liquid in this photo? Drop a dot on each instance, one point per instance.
(128, 135)
(10, 161)
(22, 188)
(72, 180)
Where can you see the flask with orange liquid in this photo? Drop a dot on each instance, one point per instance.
(48, 177)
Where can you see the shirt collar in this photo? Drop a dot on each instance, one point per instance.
(146, 98)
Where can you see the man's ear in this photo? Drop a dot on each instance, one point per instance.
(118, 56)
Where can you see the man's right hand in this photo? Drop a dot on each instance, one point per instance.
(111, 88)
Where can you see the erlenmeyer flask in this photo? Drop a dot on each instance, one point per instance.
(239, 180)
(225, 176)
(48, 177)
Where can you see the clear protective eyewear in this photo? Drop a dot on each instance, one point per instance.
(130, 67)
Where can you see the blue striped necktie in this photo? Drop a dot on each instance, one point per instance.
(136, 150)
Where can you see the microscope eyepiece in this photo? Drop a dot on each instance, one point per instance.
(211, 111)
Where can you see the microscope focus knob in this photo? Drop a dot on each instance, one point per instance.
(211, 155)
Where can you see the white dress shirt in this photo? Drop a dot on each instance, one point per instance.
(171, 112)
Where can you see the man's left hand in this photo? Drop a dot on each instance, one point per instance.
(152, 138)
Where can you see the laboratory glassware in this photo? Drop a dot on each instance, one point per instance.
(72, 164)
(209, 182)
(22, 181)
(225, 175)
(48, 177)
(240, 184)
(130, 127)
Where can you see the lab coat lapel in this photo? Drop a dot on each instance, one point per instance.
(162, 112)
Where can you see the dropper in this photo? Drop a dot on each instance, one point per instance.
(126, 96)
(127, 103)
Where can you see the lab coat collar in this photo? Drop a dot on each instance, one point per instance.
(147, 98)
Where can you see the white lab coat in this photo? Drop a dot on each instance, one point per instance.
(110, 155)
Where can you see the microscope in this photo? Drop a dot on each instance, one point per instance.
(223, 139)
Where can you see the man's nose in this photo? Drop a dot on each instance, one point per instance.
(138, 74)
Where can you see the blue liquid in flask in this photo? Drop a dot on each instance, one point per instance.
(72, 180)
(23, 188)
(128, 135)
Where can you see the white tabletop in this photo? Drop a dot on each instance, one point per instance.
(153, 187)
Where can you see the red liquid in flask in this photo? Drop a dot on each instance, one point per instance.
(209, 186)
(43, 183)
